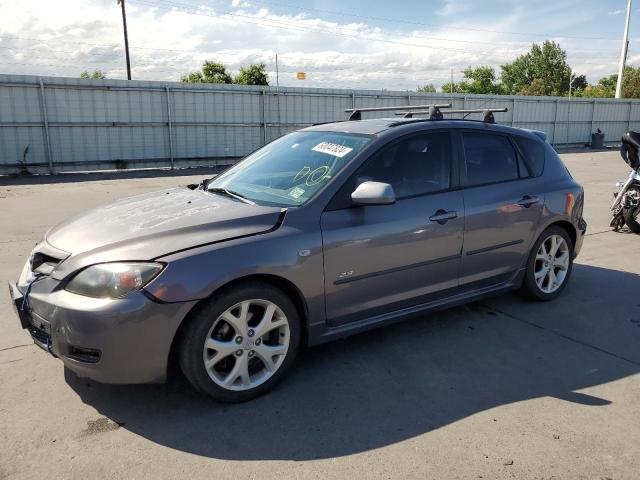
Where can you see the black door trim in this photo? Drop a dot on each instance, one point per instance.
(355, 278)
(495, 247)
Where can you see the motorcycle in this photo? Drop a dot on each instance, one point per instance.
(626, 206)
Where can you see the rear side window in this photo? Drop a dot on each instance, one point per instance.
(489, 158)
(534, 152)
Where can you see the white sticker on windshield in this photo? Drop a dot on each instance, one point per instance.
(296, 192)
(332, 149)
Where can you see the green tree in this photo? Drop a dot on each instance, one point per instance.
(579, 83)
(545, 64)
(476, 80)
(449, 87)
(535, 89)
(606, 86)
(253, 75)
(96, 75)
(479, 80)
(429, 88)
(212, 72)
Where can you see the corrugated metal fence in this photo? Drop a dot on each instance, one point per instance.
(53, 124)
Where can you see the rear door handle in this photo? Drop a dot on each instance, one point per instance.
(527, 200)
(442, 216)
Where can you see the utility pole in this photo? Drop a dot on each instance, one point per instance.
(623, 53)
(451, 89)
(126, 38)
(278, 88)
(571, 77)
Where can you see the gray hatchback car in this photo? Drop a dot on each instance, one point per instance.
(325, 232)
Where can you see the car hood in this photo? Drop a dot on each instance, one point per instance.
(151, 225)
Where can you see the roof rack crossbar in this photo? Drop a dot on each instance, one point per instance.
(356, 113)
(437, 115)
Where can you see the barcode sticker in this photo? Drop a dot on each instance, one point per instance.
(332, 149)
(296, 192)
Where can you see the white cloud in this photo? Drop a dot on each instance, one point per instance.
(39, 37)
(453, 7)
(615, 12)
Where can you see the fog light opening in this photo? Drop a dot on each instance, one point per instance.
(86, 355)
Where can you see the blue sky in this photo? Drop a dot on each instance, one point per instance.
(394, 45)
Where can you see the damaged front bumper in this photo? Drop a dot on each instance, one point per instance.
(125, 340)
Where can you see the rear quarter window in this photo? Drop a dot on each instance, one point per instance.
(534, 153)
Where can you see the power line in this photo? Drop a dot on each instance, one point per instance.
(116, 46)
(269, 22)
(413, 22)
(75, 66)
(265, 22)
(413, 34)
(173, 6)
(285, 25)
(200, 53)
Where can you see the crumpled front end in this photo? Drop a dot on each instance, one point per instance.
(125, 340)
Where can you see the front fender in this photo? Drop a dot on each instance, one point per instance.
(292, 254)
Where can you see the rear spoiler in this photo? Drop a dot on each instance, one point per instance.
(537, 133)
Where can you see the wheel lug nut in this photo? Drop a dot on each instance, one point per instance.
(238, 340)
(258, 341)
(251, 353)
(239, 353)
(250, 333)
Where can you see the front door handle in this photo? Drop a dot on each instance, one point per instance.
(442, 216)
(527, 200)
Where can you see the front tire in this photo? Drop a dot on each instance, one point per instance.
(241, 342)
(549, 265)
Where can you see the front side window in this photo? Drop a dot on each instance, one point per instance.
(290, 170)
(417, 165)
(413, 166)
(489, 158)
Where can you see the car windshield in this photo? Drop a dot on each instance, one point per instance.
(290, 170)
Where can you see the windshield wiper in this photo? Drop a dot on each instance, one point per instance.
(231, 194)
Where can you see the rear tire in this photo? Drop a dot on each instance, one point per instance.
(631, 218)
(240, 343)
(549, 265)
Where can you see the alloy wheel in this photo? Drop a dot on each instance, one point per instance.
(246, 344)
(552, 263)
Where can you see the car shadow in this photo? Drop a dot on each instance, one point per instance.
(395, 383)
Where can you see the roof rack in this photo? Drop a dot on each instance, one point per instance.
(435, 114)
(356, 113)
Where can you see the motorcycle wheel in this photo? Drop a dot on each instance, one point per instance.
(617, 222)
(631, 219)
(631, 215)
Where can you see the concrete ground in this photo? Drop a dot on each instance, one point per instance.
(503, 388)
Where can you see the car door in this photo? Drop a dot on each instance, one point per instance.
(382, 258)
(503, 206)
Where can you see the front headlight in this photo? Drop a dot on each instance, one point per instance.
(113, 280)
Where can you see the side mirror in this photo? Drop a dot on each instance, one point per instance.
(373, 193)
